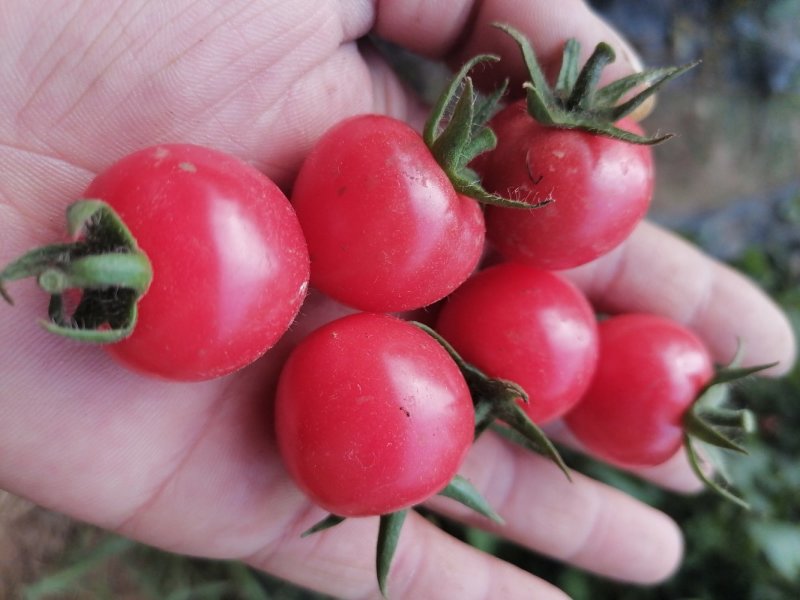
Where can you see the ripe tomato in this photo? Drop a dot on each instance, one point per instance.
(529, 326)
(599, 189)
(386, 230)
(230, 266)
(372, 415)
(649, 373)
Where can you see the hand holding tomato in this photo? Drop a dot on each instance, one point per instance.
(193, 467)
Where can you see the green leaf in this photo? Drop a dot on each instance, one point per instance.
(100, 222)
(540, 109)
(106, 264)
(486, 106)
(698, 425)
(448, 147)
(33, 263)
(780, 543)
(211, 590)
(449, 97)
(717, 481)
(469, 186)
(728, 374)
(462, 491)
(247, 584)
(456, 140)
(568, 74)
(330, 521)
(482, 540)
(484, 417)
(82, 213)
(537, 79)
(610, 94)
(529, 434)
(575, 102)
(92, 336)
(582, 94)
(482, 141)
(617, 133)
(619, 111)
(61, 581)
(388, 535)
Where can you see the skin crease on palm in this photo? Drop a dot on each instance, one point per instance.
(193, 468)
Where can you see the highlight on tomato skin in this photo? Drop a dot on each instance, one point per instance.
(372, 415)
(650, 371)
(529, 326)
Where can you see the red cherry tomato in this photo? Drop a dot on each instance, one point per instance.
(599, 189)
(372, 415)
(649, 373)
(386, 230)
(230, 266)
(529, 326)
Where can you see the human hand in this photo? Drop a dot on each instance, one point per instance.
(193, 468)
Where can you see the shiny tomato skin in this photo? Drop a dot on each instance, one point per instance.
(649, 372)
(230, 265)
(386, 230)
(600, 189)
(372, 415)
(529, 326)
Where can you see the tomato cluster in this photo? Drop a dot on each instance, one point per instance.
(192, 264)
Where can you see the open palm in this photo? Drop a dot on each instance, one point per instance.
(192, 467)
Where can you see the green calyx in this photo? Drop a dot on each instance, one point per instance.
(718, 428)
(576, 102)
(390, 525)
(497, 405)
(104, 262)
(389, 528)
(456, 132)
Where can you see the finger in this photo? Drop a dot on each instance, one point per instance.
(463, 28)
(584, 522)
(428, 564)
(655, 271)
(390, 96)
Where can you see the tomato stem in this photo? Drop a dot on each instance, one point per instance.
(103, 260)
(98, 271)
